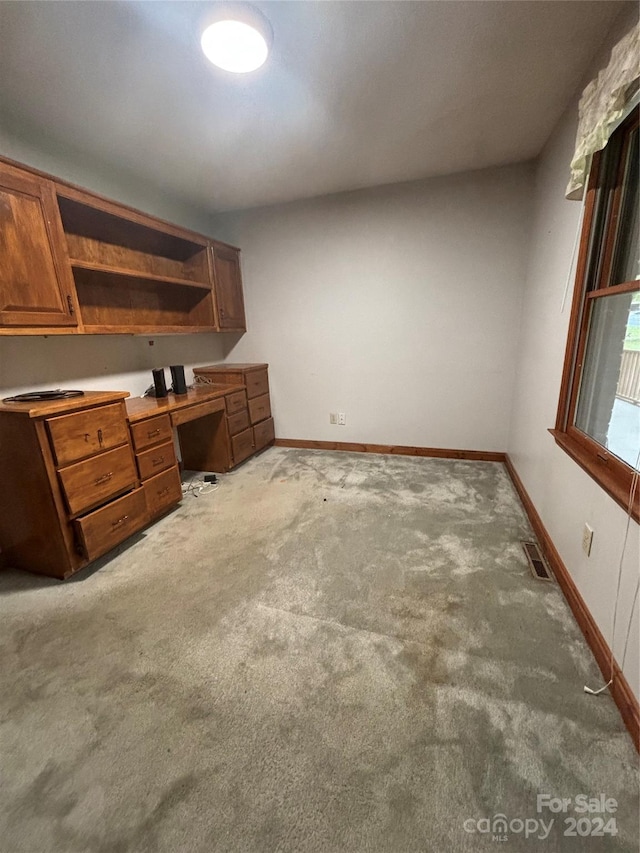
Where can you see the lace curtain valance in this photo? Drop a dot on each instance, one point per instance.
(603, 103)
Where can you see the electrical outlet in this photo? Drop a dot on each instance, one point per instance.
(587, 539)
(333, 418)
(342, 418)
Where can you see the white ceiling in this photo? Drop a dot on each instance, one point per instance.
(354, 94)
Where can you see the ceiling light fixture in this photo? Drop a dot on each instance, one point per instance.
(236, 37)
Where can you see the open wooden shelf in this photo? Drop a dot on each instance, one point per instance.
(135, 274)
(113, 224)
(122, 303)
(77, 263)
(101, 256)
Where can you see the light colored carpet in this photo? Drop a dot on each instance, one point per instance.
(332, 652)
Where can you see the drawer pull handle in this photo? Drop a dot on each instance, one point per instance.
(164, 491)
(104, 478)
(70, 305)
(100, 437)
(153, 432)
(158, 461)
(119, 521)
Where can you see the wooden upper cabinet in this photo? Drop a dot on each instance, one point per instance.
(73, 262)
(36, 284)
(227, 283)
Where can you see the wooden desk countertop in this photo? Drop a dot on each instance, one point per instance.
(45, 408)
(139, 408)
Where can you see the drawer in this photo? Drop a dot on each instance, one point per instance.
(242, 446)
(236, 423)
(156, 459)
(95, 480)
(101, 530)
(263, 434)
(257, 382)
(236, 402)
(192, 413)
(259, 408)
(152, 431)
(85, 433)
(162, 491)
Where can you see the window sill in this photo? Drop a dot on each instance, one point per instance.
(606, 473)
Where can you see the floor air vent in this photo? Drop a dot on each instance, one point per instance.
(536, 562)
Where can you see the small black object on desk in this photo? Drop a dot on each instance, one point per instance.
(160, 385)
(179, 385)
(35, 396)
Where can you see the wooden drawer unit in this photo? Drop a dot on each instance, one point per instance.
(237, 423)
(156, 459)
(111, 524)
(93, 481)
(85, 433)
(257, 382)
(242, 446)
(70, 485)
(152, 431)
(162, 491)
(236, 402)
(248, 412)
(157, 463)
(259, 408)
(229, 374)
(263, 434)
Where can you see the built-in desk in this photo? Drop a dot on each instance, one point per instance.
(214, 424)
(199, 401)
(79, 476)
(70, 486)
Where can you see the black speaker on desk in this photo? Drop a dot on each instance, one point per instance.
(179, 386)
(159, 383)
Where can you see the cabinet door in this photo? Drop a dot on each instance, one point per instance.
(227, 282)
(36, 283)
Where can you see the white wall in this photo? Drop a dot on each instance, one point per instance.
(117, 363)
(398, 306)
(564, 495)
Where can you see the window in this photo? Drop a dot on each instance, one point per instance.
(598, 420)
